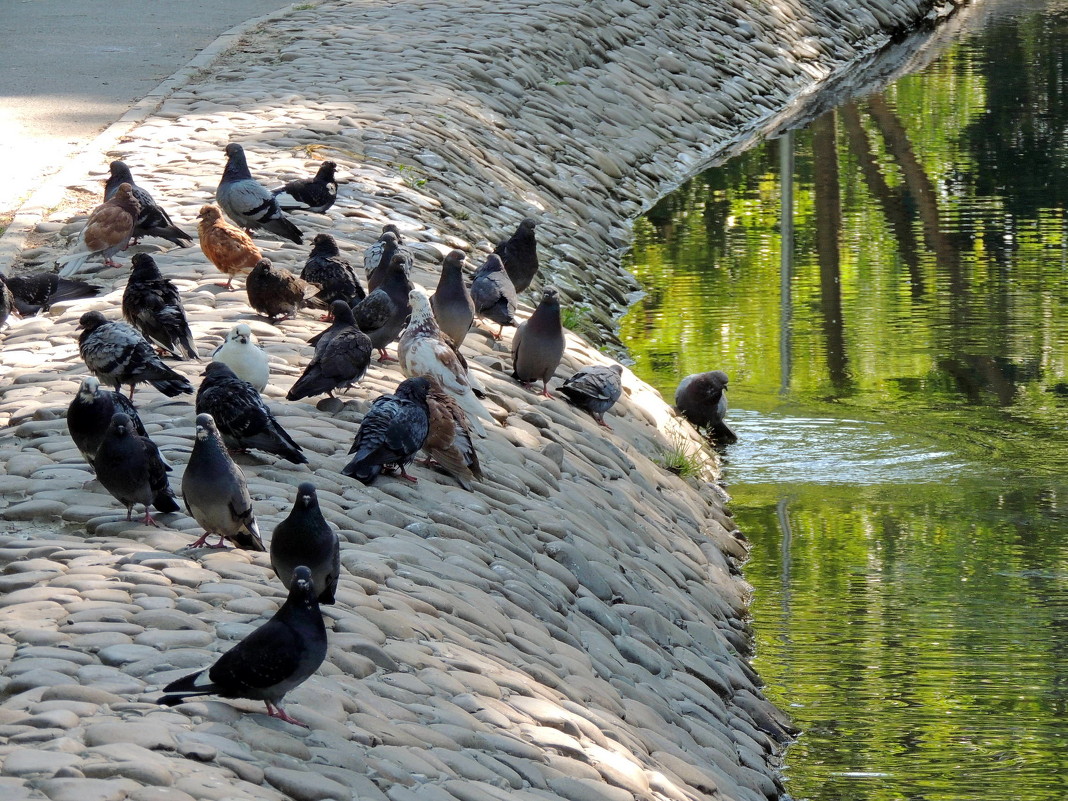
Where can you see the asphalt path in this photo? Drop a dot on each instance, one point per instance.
(70, 68)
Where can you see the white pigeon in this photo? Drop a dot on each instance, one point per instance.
(242, 355)
(423, 351)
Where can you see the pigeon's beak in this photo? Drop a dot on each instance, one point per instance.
(242, 340)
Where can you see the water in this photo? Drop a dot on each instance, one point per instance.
(902, 409)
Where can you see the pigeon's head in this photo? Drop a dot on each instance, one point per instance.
(125, 197)
(302, 586)
(240, 334)
(144, 266)
(389, 239)
(218, 370)
(390, 228)
(528, 225)
(121, 424)
(342, 312)
(324, 243)
(205, 428)
(120, 172)
(550, 295)
(493, 264)
(263, 266)
(455, 258)
(414, 389)
(306, 497)
(420, 302)
(234, 150)
(89, 387)
(326, 170)
(91, 320)
(209, 213)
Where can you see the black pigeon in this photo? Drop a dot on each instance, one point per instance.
(340, 359)
(247, 202)
(520, 255)
(493, 294)
(383, 314)
(215, 492)
(305, 538)
(381, 253)
(152, 220)
(702, 399)
(392, 432)
(276, 293)
(334, 276)
(117, 354)
(452, 304)
(7, 302)
(152, 305)
(595, 389)
(274, 659)
(538, 344)
(241, 415)
(37, 292)
(310, 194)
(90, 413)
(130, 467)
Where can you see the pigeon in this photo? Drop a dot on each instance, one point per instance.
(274, 291)
(241, 416)
(275, 658)
(595, 389)
(36, 292)
(90, 413)
(310, 194)
(215, 491)
(383, 318)
(107, 231)
(538, 344)
(381, 253)
(392, 432)
(334, 276)
(152, 305)
(520, 255)
(117, 354)
(451, 302)
(151, 220)
(702, 399)
(242, 355)
(230, 249)
(305, 538)
(247, 202)
(448, 442)
(7, 302)
(130, 467)
(422, 350)
(340, 360)
(493, 294)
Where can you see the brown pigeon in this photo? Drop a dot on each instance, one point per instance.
(229, 248)
(107, 231)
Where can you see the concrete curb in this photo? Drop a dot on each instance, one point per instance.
(50, 194)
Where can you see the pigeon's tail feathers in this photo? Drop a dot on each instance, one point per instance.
(73, 264)
(362, 470)
(190, 686)
(285, 229)
(313, 382)
(174, 235)
(248, 537)
(474, 409)
(172, 385)
(722, 433)
(185, 342)
(165, 502)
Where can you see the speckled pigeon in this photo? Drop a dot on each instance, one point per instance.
(538, 344)
(448, 442)
(36, 292)
(340, 359)
(153, 305)
(215, 492)
(305, 538)
(247, 202)
(391, 433)
(275, 292)
(274, 659)
(334, 276)
(117, 354)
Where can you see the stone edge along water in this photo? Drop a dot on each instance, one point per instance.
(575, 627)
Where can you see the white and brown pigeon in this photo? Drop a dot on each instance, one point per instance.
(107, 231)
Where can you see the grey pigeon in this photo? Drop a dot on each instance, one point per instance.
(520, 255)
(36, 292)
(247, 202)
(310, 194)
(392, 432)
(453, 307)
(340, 360)
(595, 389)
(305, 538)
(117, 354)
(215, 491)
(448, 443)
(241, 354)
(275, 292)
(493, 294)
(90, 413)
(274, 659)
(334, 276)
(241, 416)
(130, 467)
(381, 253)
(153, 305)
(383, 321)
(702, 399)
(538, 344)
(152, 220)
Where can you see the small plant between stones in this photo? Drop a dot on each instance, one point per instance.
(681, 458)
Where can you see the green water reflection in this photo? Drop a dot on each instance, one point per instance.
(902, 465)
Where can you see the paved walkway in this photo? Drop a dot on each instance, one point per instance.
(70, 68)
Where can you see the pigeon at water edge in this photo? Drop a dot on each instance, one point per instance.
(305, 538)
(130, 467)
(241, 354)
(152, 220)
(153, 305)
(310, 194)
(452, 304)
(215, 491)
(117, 354)
(702, 399)
(247, 202)
(274, 659)
(89, 415)
(538, 344)
(595, 389)
(391, 433)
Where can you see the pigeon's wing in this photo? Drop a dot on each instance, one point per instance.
(269, 656)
